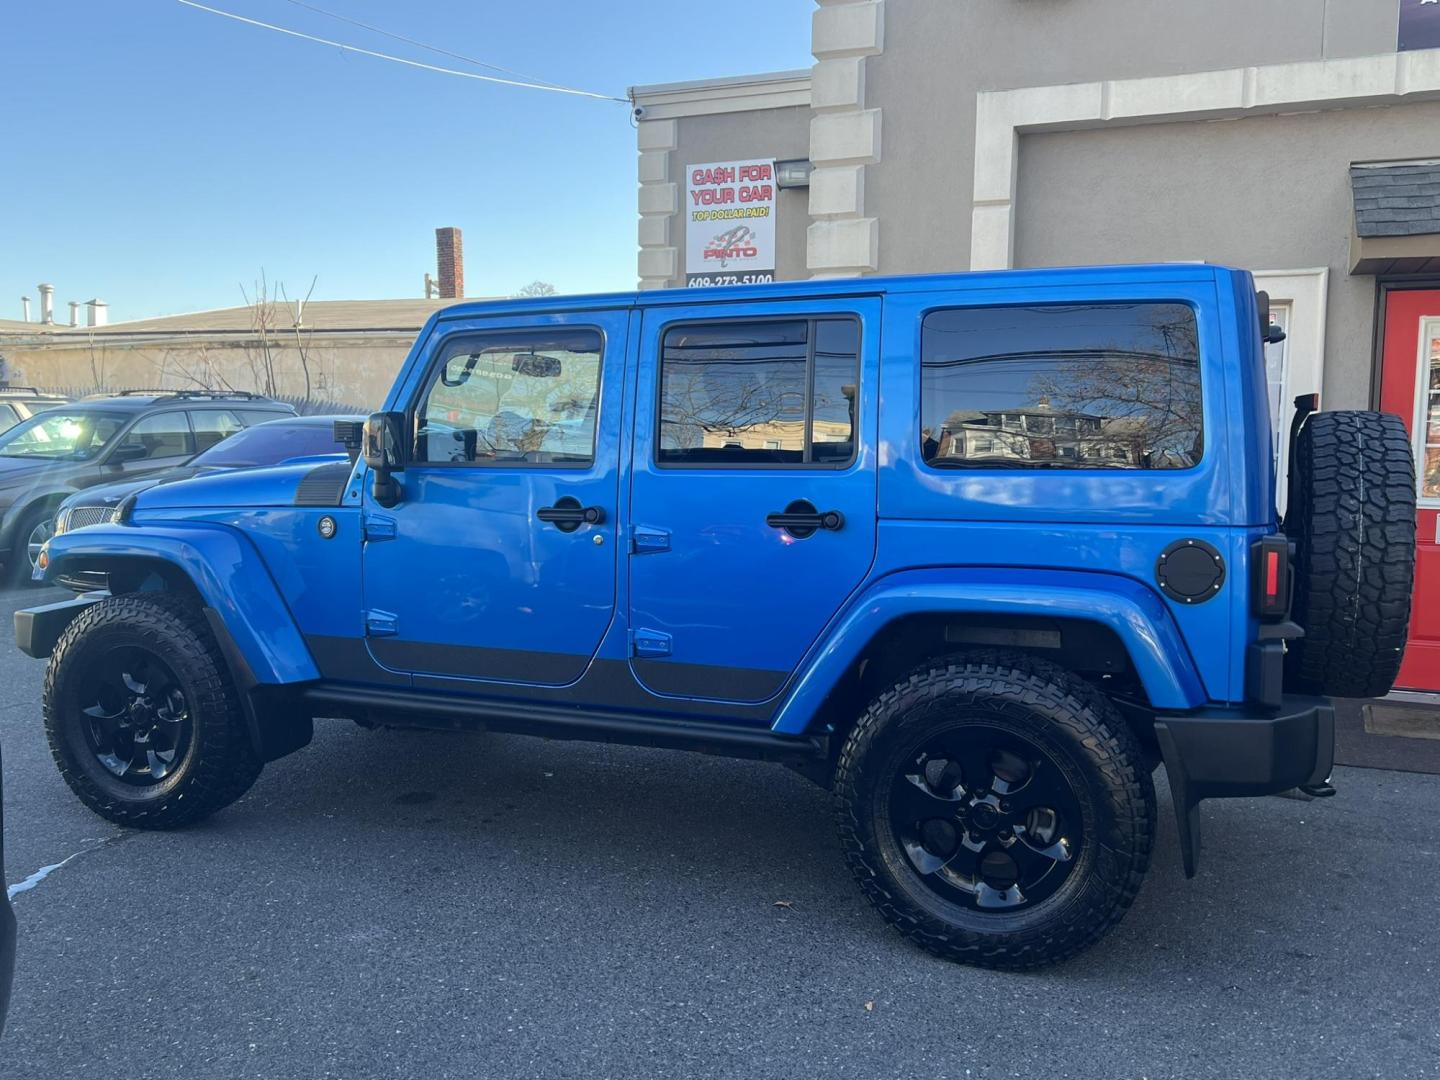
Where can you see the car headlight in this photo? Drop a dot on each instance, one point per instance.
(62, 520)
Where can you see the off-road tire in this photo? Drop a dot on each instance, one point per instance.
(1081, 731)
(220, 763)
(1352, 517)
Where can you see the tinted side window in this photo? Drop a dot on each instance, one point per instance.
(164, 435)
(526, 397)
(260, 416)
(1080, 386)
(759, 393)
(213, 425)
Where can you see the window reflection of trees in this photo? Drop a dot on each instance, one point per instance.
(745, 388)
(1129, 397)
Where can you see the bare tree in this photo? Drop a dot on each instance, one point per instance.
(537, 288)
(302, 333)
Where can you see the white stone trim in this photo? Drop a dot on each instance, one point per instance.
(837, 191)
(841, 246)
(837, 84)
(847, 28)
(743, 93)
(844, 138)
(657, 199)
(1003, 115)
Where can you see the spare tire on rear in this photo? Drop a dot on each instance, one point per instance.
(1352, 517)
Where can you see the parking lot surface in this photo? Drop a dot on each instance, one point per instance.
(393, 904)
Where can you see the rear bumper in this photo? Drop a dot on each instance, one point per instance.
(1234, 753)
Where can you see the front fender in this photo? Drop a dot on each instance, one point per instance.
(227, 571)
(1136, 615)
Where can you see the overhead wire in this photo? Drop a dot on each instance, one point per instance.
(524, 83)
(426, 46)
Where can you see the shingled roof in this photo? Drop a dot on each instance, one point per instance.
(1396, 200)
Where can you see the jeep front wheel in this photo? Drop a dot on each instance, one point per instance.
(141, 714)
(995, 811)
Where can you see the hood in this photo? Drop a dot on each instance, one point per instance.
(273, 485)
(111, 494)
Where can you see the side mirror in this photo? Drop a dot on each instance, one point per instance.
(128, 452)
(384, 446)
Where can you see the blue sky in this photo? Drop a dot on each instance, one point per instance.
(157, 156)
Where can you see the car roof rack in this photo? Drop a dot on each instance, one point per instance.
(34, 391)
(231, 395)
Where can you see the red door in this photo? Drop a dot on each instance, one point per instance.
(1410, 387)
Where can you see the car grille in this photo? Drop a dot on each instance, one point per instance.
(80, 517)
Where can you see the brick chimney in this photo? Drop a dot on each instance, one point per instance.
(450, 262)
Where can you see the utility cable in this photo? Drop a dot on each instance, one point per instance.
(525, 84)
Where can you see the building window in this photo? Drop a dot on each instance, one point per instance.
(513, 398)
(1073, 386)
(775, 392)
(1428, 426)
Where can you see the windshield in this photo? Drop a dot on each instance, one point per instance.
(61, 434)
(268, 444)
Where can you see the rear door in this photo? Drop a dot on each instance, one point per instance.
(753, 496)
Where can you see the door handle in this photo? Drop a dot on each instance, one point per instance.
(567, 514)
(800, 519)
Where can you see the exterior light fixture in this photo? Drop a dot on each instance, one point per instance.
(792, 174)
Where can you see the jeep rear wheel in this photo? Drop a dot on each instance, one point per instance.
(1352, 517)
(141, 714)
(995, 811)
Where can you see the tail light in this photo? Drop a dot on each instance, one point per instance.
(1270, 570)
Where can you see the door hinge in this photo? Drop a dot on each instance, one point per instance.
(381, 624)
(379, 527)
(649, 643)
(647, 541)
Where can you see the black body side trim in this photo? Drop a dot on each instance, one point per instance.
(1233, 753)
(606, 684)
(478, 663)
(703, 680)
(347, 659)
(324, 485)
(420, 709)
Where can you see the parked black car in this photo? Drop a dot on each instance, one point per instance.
(19, 403)
(98, 440)
(270, 443)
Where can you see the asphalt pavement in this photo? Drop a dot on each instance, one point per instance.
(388, 904)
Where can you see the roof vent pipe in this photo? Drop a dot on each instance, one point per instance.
(25, 307)
(96, 312)
(74, 312)
(47, 302)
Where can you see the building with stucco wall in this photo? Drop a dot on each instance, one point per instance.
(1297, 138)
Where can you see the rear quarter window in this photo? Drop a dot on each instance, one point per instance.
(1061, 386)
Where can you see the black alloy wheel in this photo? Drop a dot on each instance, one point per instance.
(986, 819)
(995, 809)
(142, 714)
(138, 720)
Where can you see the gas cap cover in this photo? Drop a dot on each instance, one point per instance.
(1190, 571)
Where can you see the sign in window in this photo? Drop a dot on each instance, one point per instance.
(1419, 24)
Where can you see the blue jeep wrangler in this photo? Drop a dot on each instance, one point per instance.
(980, 552)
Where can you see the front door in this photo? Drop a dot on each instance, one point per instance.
(498, 562)
(753, 490)
(1410, 387)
